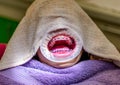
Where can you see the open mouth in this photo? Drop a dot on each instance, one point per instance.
(61, 46)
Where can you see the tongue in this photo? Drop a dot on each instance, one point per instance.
(61, 51)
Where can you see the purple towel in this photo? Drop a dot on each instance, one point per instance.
(90, 72)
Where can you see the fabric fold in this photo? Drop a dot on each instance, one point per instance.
(44, 15)
(37, 73)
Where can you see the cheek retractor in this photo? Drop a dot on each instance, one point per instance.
(61, 47)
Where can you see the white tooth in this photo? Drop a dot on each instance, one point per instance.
(52, 43)
(53, 51)
(56, 51)
(59, 38)
(53, 39)
(69, 42)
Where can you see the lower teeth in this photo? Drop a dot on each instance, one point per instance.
(61, 50)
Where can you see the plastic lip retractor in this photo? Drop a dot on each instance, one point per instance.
(61, 48)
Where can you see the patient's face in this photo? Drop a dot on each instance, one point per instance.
(60, 48)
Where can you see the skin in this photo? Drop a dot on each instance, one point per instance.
(58, 65)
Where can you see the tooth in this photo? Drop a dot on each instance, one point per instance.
(52, 42)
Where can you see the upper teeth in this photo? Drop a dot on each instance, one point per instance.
(61, 37)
